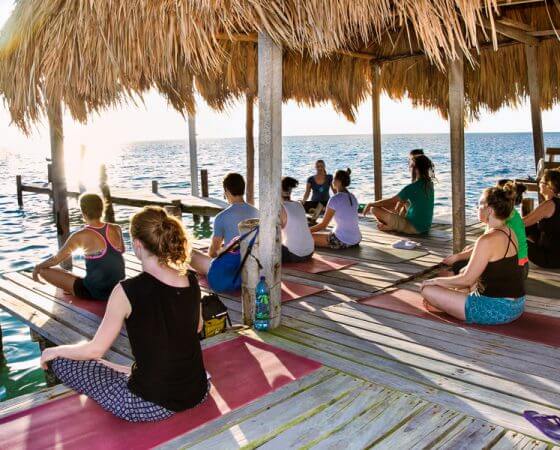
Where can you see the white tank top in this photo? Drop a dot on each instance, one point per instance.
(295, 234)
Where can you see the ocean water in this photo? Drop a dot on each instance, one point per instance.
(28, 235)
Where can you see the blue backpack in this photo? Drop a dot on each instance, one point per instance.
(224, 274)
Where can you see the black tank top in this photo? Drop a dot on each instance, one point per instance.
(550, 228)
(162, 329)
(504, 277)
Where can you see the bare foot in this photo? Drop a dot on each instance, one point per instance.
(383, 227)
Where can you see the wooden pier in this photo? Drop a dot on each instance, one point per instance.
(189, 204)
(389, 380)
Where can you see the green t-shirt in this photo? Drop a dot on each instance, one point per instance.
(421, 210)
(515, 223)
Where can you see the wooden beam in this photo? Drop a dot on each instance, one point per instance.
(457, 143)
(60, 201)
(270, 167)
(376, 128)
(193, 155)
(250, 148)
(510, 32)
(535, 101)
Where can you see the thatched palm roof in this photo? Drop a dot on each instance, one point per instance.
(95, 54)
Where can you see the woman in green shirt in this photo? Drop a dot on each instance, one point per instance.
(418, 197)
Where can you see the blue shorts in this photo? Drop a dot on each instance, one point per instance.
(483, 310)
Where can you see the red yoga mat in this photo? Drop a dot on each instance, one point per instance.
(290, 290)
(320, 263)
(242, 370)
(530, 326)
(96, 307)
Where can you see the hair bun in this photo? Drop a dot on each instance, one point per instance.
(349, 171)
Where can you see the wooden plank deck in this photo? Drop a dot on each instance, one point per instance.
(389, 380)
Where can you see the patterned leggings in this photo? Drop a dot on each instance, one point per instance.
(109, 388)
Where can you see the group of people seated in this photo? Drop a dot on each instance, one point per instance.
(487, 286)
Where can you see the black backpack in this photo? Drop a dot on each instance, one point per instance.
(214, 315)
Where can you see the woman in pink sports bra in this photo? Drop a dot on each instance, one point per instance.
(103, 247)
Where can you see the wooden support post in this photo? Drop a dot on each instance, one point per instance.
(193, 156)
(49, 172)
(109, 213)
(270, 167)
(155, 186)
(376, 124)
(2, 356)
(59, 191)
(457, 141)
(249, 274)
(527, 205)
(44, 343)
(535, 100)
(204, 182)
(250, 149)
(175, 209)
(19, 191)
(81, 185)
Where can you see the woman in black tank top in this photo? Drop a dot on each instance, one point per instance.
(543, 223)
(498, 295)
(161, 311)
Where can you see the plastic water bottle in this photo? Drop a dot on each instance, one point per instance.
(262, 306)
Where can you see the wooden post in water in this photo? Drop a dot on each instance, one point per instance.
(109, 213)
(535, 100)
(457, 141)
(270, 167)
(249, 274)
(2, 356)
(59, 191)
(19, 191)
(193, 156)
(205, 192)
(250, 149)
(175, 209)
(155, 186)
(376, 124)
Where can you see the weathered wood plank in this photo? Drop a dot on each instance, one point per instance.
(273, 420)
(471, 433)
(375, 423)
(512, 440)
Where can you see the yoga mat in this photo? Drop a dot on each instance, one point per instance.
(375, 253)
(320, 263)
(290, 290)
(242, 370)
(530, 326)
(96, 307)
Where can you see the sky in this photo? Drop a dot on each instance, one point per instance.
(155, 120)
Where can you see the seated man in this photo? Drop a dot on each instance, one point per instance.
(226, 223)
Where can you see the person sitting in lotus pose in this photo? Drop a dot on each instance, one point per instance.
(161, 309)
(419, 197)
(343, 208)
(498, 296)
(297, 241)
(103, 247)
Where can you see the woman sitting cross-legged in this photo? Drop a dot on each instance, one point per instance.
(543, 223)
(499, 293)
(297, 241)
(418, 198)
(343, 208)
(460, 260)
(161, 310)
(103, 246)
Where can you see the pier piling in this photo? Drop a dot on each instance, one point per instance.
(19, 191)
(155, 186)
(109, 213)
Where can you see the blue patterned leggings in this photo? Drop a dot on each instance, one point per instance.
(108, 388)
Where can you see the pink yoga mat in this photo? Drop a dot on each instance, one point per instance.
(290, 290)
(320, 263)
(530, 326)
(96, 307)
(242, 370)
